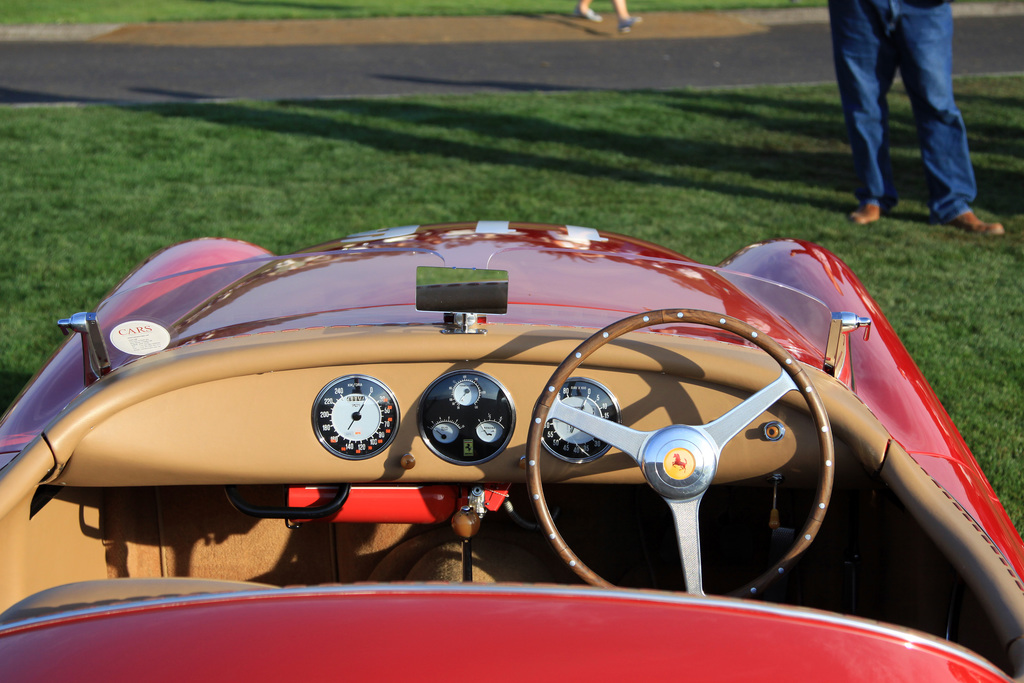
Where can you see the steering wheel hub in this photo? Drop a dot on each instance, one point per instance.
(679, 462)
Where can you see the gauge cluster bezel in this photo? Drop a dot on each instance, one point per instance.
(386, 413)
(607, 408)
(457, 410)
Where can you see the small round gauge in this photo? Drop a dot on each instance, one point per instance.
(445, 431)
(489, 431)
(355, 417)
(571, 444)
(466, 392)
(466, 417)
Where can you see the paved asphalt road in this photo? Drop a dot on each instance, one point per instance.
(379, 57)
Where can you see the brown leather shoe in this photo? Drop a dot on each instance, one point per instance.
(971, 223)
(866, 213)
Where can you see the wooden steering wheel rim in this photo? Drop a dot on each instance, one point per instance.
(567, 368)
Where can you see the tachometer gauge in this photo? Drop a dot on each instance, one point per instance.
(571, 444)
(355, 417)
(466, 417)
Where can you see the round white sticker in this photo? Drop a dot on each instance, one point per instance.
(139, 337)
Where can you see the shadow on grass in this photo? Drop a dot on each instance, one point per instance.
(1000, 132)
(823, 120)
(988, 100)
(594, 152)
(754, 106)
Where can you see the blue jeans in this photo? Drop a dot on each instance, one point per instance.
(870, 40)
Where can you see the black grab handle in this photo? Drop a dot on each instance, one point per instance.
(286, 512)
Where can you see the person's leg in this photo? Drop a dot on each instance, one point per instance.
(583, 10)
(865, 62)
(626, 22)
(926, 44)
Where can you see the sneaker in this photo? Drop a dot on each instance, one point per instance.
(586, 14)
(626, 24)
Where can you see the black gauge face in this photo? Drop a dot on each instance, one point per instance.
(355, 417)
(569, 443)
(466, 417)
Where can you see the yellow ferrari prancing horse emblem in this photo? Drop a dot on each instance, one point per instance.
(679, 463)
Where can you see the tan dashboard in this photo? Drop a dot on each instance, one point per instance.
(244, 410)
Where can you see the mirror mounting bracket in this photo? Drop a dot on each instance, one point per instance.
(463, 323)
(96, 360)
(837, 349)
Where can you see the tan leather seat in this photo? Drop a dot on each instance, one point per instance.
(86, 594)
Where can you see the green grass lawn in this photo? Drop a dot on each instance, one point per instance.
(86, 193)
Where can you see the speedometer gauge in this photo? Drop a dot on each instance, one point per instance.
(355, 417)
(571, 444)
(466, 417)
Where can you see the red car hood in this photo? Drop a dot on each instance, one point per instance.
(444, 632)
(557, 275)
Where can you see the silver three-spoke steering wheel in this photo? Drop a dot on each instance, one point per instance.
(680, 461)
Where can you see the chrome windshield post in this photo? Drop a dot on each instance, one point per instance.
(96, 360)
(837, 349)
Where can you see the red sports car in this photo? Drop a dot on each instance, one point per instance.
(495, 450)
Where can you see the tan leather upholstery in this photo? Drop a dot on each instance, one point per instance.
(86, 594)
